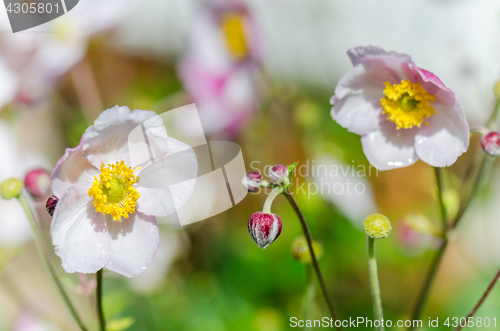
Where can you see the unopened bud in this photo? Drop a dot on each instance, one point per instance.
(51, 204)
(38, 182)
(11, 188)
(251, 181)
(278, 172)
(491, 143)
(377, 226)
(300, 249)
(264, 228)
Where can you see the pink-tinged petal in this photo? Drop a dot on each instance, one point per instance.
(73, 169)
(446, 137)
(388, 148)
(109, 140)
(80, 234)
(392, 60)
(134, 242)
(180, 165)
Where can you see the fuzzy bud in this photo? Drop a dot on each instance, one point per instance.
(491, 143)
(251, 181)
(377, 226)
(278, 172)
(51, 204)
(38, 182)
(300, 250)
(264, 228)
(11, 188)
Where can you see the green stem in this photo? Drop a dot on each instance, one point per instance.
(440, 186)
(424, 294)
(309, 294)
(102, 320)
(314, 260)
(483, 298)
(374, 284)
(42, 251)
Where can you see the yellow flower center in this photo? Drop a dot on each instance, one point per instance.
(113, 190)
(233, 28)
(407, 104)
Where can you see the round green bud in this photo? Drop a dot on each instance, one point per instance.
(377, 226)
(11, 188)
(300, 249)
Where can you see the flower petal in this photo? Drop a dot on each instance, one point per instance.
(118, 135)
(388, 148)
(180, 165)
(446, 137)
(80, 234)
(73, 169)
(134, 242)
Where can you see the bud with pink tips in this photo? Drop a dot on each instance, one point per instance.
(264, 228)
(278, 173)
(251, 181)
(491, 143)
(37, 183)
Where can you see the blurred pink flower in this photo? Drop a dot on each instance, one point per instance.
(106, 217)
(402, 112)
(41, 55)
(29, 321)
(219, 68)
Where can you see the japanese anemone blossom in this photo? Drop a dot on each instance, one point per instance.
(220, 66)
(403, 113)
(110, 188)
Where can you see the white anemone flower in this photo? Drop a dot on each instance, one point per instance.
(111, 187)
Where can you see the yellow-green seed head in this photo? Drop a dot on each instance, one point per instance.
(11, 188)
(377, 226)
(300, 249)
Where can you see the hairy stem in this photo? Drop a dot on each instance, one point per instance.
(374, 284)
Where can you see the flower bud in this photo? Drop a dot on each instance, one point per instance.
(300, 249)
(278, 172)
(11, 188)
(51, 204)
(264, 228)
(377, 226)
(38, 182)
(251, 181)
(491, 143)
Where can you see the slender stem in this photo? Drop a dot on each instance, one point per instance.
(440, 186)
(309, 294)
(374, 284)
(481, 174)
(270, 198)
(424, 294)
(428, 281)
(102, 320)
(315, 264)
(483, 298)
(45, 257)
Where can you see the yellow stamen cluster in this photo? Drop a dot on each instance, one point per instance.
(233, 28)
(113, 192)
(407, 104)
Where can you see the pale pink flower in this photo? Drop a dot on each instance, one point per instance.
(402, 112)
(42, 54)
(106, 213)
(219, 68)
